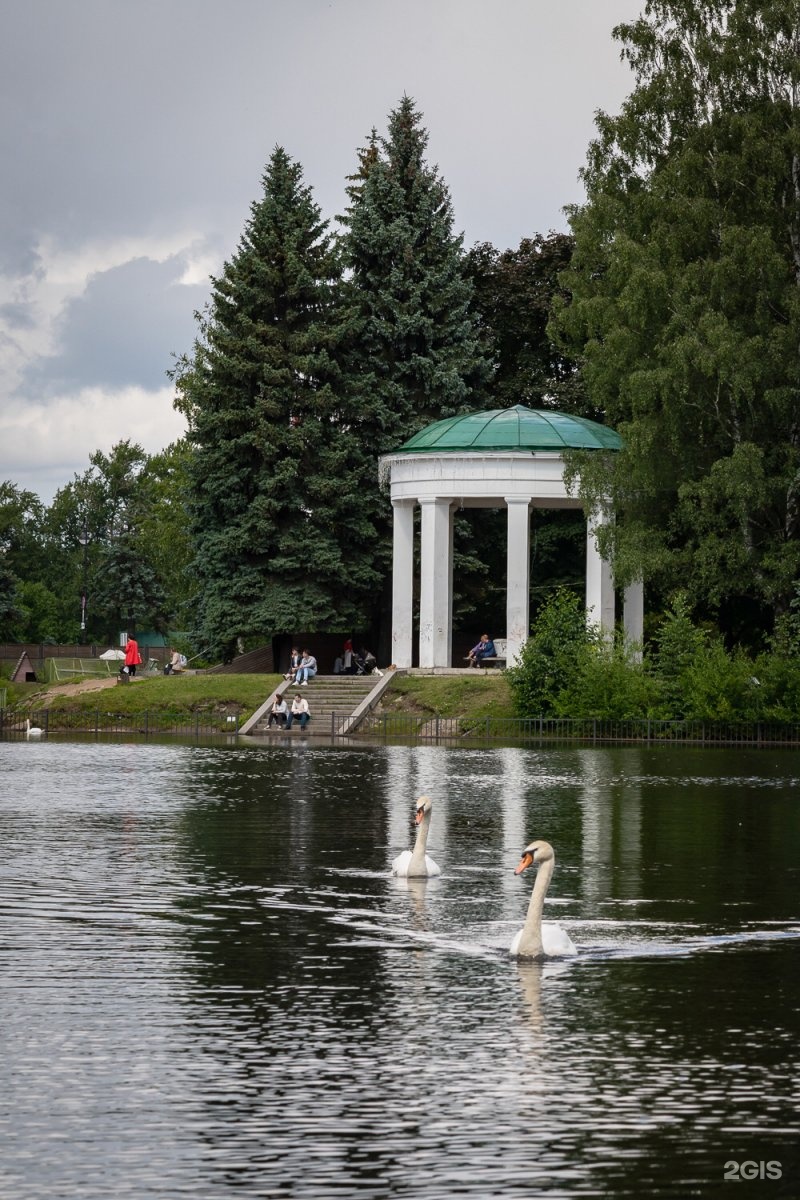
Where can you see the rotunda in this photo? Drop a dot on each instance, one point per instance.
(502, 458)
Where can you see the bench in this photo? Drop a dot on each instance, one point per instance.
(498, 659)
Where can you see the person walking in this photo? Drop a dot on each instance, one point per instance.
(133, 658)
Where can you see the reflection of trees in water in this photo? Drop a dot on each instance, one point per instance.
(689, 826)
(265, 830)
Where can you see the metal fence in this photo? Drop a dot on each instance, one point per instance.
(13, 723)
(406, 726)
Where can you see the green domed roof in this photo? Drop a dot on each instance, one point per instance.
(517, 428)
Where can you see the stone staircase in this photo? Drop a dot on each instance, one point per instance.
(326, 694)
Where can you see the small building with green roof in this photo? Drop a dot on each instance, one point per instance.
(510, 458)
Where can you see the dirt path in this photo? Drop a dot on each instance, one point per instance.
(75, 689)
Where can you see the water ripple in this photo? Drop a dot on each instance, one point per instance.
(210, 984)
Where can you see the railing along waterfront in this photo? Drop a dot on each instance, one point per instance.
(410, 727)
(101, 721)
(407, 726)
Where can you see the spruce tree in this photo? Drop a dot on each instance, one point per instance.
(418, 355)
(282, 498)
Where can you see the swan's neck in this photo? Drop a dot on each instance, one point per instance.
(420, 845)
(530, 945)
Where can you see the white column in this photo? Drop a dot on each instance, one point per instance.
(599, 582)
(435, 583)
(403, 582)
(633, 614)
(517, 577)
(450, 540)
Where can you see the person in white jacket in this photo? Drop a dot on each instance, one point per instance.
(279, 712)
(300, 711)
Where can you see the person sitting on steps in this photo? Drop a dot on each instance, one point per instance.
(307, 669)
(293, 664)
(300, 711)
(279, 712)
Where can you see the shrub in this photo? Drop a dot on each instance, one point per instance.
(550, 657)
(678, 642)
(718, 686)
(610, 684)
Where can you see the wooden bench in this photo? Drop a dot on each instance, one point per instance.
(498, 659)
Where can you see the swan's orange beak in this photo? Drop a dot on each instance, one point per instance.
(523, 864)
(418, 815)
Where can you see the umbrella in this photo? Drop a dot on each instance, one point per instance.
(108, 655)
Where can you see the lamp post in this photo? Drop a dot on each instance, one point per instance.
(84, 541)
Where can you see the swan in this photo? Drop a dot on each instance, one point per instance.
(416, 861)
(536, 940)
(32, 731)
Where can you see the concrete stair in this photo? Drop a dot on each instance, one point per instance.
(326, 694)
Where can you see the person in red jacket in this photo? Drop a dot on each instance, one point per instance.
(132, 657)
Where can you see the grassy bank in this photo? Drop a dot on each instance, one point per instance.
(468, 697)
(215, 698)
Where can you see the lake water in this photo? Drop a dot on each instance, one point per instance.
(212, 987)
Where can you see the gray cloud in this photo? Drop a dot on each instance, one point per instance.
(17, 316)
(149, 124)
(123, 330)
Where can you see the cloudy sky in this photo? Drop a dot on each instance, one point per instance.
(134, 137)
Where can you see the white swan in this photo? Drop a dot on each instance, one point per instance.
(32, 731)
(416, 861)
(536, 940)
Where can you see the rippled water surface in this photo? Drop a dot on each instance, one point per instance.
(211, 985)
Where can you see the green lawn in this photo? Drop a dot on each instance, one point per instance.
(216, 697)
(469, 697)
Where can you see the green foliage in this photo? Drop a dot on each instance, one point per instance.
(163, 533)
(609, 683)
(685, 674)
(9, 607)
(127, 590)
(39, 614)
(21, 517)
(99, 535)
(718, 686)
(550, 659)
(685, 306)
(282, 492)
(514, 293)
(417, 353)
(678, 644)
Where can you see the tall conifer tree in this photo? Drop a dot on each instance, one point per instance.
(418, 354)
(281, 490)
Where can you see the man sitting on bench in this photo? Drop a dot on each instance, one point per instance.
(484, 649)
